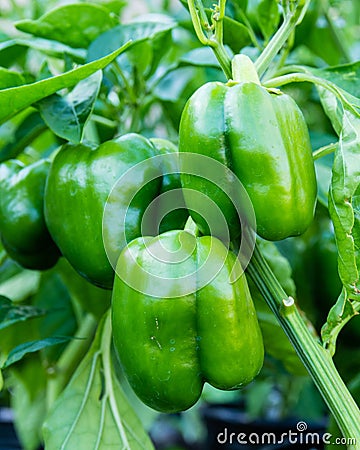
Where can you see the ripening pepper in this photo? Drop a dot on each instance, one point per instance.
(79, 184)
(261, 135)
(22, 225)
(182, 315)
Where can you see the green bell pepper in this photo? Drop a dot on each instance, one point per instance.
(79, 184)
(182, 315)
(261, 135)
(22, 225)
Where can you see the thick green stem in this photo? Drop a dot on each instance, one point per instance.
(316, 359)
(275, 45)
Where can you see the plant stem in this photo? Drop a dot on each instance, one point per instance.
(316, 359)
(66, 365)
(214, 40)
(324, 151)
(275, 45)
(307, 77)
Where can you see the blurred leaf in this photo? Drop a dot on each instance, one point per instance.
(13, 100)
(264, 16)
(89, 297)
(137, 32)
(9, 78)
(93, 408)
(10, 313)
(323, 175)
(54, 296)
(345, 76)
(27, 130)
(14, 47)
(202, 56)
(28, 401)
(76, 25)
(66, 116)
(30, 347)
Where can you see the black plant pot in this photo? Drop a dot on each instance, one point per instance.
(229, 429)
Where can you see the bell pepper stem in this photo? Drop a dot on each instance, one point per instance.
(314, 356)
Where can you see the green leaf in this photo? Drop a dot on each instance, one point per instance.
(264, 15)
(343, 310)
(54, 296)
(345, 76)
(202, 56)
(66, 116)
(136, 32)
(92, 411)
(11, 313)
(13, 100)
(76, 25)
(323, 175)
(21, 136)
(9, 78)
(51, 48)
(343, 197)
(30, 347)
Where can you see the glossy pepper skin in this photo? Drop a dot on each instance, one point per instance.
(22, 225)
(261, 135)
(79, 183)
(173, 341)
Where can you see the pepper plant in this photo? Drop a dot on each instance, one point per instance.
(225, 135)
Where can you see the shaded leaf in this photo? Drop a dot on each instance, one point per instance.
(66, 116)
(26, 131)
(345, 76)
(30, 347)
(76, 25)
(264, 15)
(11, 313)
(10, 78)
(92, 411)
(13, 100)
